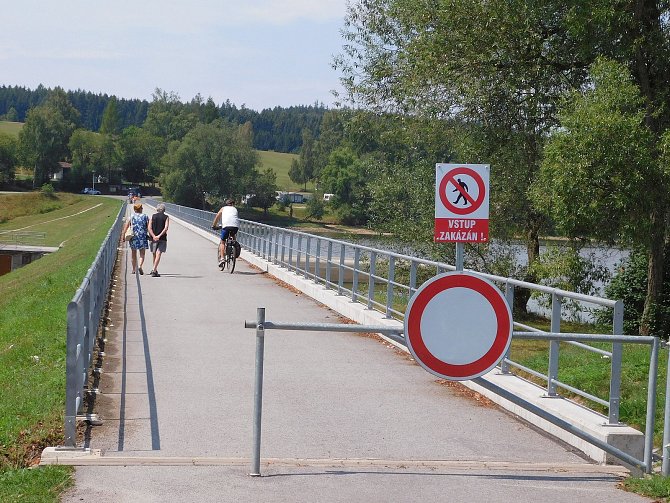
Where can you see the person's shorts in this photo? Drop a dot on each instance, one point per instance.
(160, 246)
(226, 230)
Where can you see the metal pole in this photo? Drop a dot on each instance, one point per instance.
(460, 252)
(258, 392)
(651, 406)
(665, 468)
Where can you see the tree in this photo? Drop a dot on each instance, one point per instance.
(265, 190)
(111, 122)
(345, 175)
(45, 135)
(138, 154)
(307, 157)
(215, 158)
(84, 149)
(603, 176)
(497, 67)
(8, 158)
(296, 172)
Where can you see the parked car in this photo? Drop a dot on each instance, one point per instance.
(91, 192)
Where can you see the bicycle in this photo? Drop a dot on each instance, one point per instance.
(229, 259)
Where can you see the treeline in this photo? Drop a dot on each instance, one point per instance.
(279, 129)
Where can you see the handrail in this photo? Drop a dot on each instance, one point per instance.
(83, 318)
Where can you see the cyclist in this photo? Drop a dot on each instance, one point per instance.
(230, 223)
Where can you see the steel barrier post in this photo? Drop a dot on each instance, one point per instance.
(665, 467)
(72, 375)
(615, 369)
(258, 392)
(509, 297)
(389, 287)
(371, 278)
(651, 407)
(354, 284)
(554, 346)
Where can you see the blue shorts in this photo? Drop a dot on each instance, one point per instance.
(226, 230)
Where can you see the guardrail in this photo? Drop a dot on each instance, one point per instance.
(26, 238)
(385, 281)
(83, 317)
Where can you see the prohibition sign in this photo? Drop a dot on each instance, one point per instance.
(458, 326)
(450, 177)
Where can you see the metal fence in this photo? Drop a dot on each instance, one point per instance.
(385, 281)
(83, 317)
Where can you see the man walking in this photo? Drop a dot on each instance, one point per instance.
(158, 227)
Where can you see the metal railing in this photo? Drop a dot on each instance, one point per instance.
(385, 281)
(22, 238)
(83, 317)
(645, 464)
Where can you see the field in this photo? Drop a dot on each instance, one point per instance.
(11, 128)
(281, 164)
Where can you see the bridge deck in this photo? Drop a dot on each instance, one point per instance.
(346, 417)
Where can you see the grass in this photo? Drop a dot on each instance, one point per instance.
(11, 128)
(281, 164)
(33, 302)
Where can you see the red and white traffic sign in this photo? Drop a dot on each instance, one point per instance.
(458, 326)
(462, 203)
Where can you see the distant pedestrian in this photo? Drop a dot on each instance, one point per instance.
(158, 228)
(140, 223)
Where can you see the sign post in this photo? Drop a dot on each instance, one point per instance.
(458, 326)
(461, 205)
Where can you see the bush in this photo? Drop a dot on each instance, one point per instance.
(630, 285)
(48, 190)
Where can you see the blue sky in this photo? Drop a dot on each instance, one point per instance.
(260, 53)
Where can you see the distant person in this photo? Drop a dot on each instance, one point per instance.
(158, 228)
(230, 223)
(140, 223)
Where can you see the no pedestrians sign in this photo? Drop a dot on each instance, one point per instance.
(462, 203)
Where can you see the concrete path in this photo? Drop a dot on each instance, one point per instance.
(346, 417)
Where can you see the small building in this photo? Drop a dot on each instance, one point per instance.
(63, 169)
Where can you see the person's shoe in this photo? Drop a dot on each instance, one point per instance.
(141, 271)
(156, 275)
(151, 273)
(221, 261)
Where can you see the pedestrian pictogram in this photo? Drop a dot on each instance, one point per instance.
(458, 326)
(461, 202)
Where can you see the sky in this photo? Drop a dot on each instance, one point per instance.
(256, 53)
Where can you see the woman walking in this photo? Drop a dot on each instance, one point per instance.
(140, 223)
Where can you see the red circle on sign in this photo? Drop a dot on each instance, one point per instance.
(449, 177)
(420, 351)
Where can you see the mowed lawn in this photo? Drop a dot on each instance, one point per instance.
(281, 164)
(33, 321)
(11, 128)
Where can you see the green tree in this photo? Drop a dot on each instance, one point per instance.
(111, 121)
(296, 172)
(84, 149)
(265, 190)
(307, 157)
(139, 153)
(8, 158)
(215, 158)
(603, 175)
(345, 175)
(43, 140)
(496, 67)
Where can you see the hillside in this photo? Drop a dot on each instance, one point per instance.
(11, 128)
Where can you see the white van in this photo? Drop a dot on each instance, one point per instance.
(328, 197)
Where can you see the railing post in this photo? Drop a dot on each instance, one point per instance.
(615, 370)
(317, 261)
(389, 286)
(651, 406)
(283, 248)
(290, 251)
(329, 263)
(298, 253)
(554, 346)
(71, 374)
(665, 467)
(258, 392)
(412, 279)
(308, 249)
(371, 278)
(509, 298)
(354, 284)
(340, 275)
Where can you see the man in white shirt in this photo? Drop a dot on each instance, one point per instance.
(230, 223)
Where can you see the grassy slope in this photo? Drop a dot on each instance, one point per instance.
(281, 164)
(33, 301)
(11, 128)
